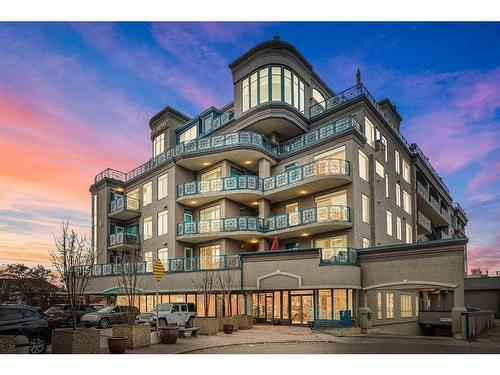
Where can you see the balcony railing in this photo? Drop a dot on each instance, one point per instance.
(228, 224)
(326, 167)
(339, 255)
(316, 135)
(123, 202)
(417, 151)
(122, 238)
(218, 122)
(424, 221)
(245, 182)
(422, 190)
(323, 214)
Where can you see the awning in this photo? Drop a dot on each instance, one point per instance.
(118, 291)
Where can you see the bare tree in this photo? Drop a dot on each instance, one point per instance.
(130, 279)
(19, 279)
(73, 259)
(205, 281)
(225, 280)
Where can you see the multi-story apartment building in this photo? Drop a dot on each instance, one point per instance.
(367, 230)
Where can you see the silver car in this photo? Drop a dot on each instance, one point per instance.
(109, 315)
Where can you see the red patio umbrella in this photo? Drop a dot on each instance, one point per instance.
(276, 243)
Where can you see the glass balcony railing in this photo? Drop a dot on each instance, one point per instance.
(123, 202)
(122, 238)
(326, 167)
(245, 182)
(339, 255)
(424, 221)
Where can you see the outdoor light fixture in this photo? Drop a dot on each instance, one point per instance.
(303, 192)
(206, 164)
(248, 162)
(192, 202)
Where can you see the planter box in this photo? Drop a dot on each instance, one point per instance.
(139, 335)
(228, 320)
(7, 344)
(79, 341)
(208, 326)
(244, 321)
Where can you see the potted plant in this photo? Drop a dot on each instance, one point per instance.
(169, 334)
(117, 344)
(228, 328)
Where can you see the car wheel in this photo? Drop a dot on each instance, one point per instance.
(162, 322)
(189, 323)
(69, 322)
(104, 323)
(37, 344)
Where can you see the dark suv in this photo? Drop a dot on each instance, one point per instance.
(27, 321)
(62, 315)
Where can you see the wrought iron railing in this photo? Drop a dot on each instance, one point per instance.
(422, 190)
(228, 224)
(339, 255)
(417, 151)
(245, 182)
(121, 202)
(424, 221)
(122, 238)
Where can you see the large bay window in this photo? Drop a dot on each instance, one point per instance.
(275, 83)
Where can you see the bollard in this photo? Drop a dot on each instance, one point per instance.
(22, 345)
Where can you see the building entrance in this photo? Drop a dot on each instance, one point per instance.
(302, 309)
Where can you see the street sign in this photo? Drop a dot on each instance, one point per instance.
(158, 270)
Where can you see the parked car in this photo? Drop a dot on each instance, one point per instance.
(27, 321)
(109, 315)
(62, 315)
(97, 307)
(170, 313)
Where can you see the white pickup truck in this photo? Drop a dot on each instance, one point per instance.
(170, 314)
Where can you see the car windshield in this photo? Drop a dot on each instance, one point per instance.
(107, 309)
(57, 308)
(164, 307)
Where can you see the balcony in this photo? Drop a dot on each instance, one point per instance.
(124, 208)
(313, 177)
(122, 239)
(431, 208)
(424, 224)
(219, 122)
(309, 221)
(339, 255)
(244, 189)
(239, 227)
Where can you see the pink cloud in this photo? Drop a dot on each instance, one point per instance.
(486, 177)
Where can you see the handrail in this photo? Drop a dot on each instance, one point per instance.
(121, 202)
(339, 255)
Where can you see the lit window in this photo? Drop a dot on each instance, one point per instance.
(409, 236)
(379, 168)
(210, 257)
(264, 85)
(397, 161)
(288, 86)
(406, 306)
(398, 228)
(398, 195)
(253, 90)
(379, 305)
(147, 194)
(148, 227)
(406, 201)
(148, 258)
(276, 83)
(389, 305)
(188, 134)
(320, 99)
(389, 223)
(365, 203)
(406, 171)
(162, 255)
(363, 166)
(301, 97)
(384, 141)
(159, 145)
(369, 132)
(162, 223)
(386, 186)
(366, 243)
(162, 186)
(245, 94)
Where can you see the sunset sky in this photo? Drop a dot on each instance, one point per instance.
(76, 99)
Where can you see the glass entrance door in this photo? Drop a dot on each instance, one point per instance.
(269, 307)
(302, 309)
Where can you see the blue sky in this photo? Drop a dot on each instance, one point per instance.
(73, 96)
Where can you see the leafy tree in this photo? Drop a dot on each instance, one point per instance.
(19, 279)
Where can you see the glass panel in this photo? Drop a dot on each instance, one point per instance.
(262, 305)
(288, 86)
(245, 94)
(296, 309)
(277, 304)
(253, 90)
(255, 305)
(269, 307)
(241, 304)
(220, 305)
(285, 304)
(276, 83)
(200, 305)
(339, 302)
(264, 85)
(211, 306)
(307, 309)
(292, 211)
(325, 304)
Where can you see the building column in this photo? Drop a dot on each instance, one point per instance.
(457, 321)
(364, 312)
(264, 205)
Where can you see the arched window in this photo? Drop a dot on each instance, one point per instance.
(318, 97)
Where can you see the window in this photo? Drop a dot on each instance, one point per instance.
(366, 243)
(398, 228)
(209, 257)
(292, 210)
(406, 308)
(162, 223)
(336, 153)
(389, 223)
(162, 254)
(379, 168)
(406, 171)
(398, 195)
(253, 90)
(188, 134)
(363, 166)
(331, 246)
(264, 85)
(148, 258)
(159, 145)
(406, 201)
(325, 304)
(245, 94)
(291, 166)
(389, 305)
(148, 227)
(408, 233)
(318, 97)
(384, 141)
(133, 199)
(212, 174)
(386, 186)
(276, 83)
(369, 132)
(379, 305)
(416, 306)
(397, 162)
(147, 194)
(288, 86)
(163, 186)
(365, 205)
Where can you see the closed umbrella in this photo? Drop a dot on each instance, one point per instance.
(276, 243)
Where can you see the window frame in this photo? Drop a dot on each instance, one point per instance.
(163, 189)
(147, 231)
(365, 210)
(147, 187)
(162, 218)
(363, 158)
